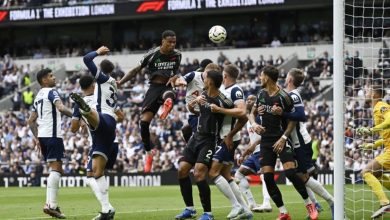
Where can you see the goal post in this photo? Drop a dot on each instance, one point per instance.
(338, 103)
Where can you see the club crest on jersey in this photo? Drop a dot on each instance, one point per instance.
(239, 94)
(383, 109)
(295, 98)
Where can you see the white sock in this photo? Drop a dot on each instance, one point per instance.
(307, 201)
(311, 195)
(244, 187)
(95, 188)
(237, 193)
(190, 207)
(223, 186)
(320, 190)
(266, 197)
(53, 183)
(282, 209)
(102, 184)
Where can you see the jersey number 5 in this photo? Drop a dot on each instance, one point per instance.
(113, 98)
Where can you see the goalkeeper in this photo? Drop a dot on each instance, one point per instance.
(373, 172)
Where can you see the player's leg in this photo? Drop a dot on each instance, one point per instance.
(91, 115)
(205, 147)
(288, 160)
(168, 96)
(240, 177)
(267, 164)
(200, 172)
(146, 118)
(53, 151)
(221, 182)
(266, 206)
(374, 183)
(186, 189)
(186, 131)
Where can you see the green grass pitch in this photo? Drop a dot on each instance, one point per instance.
(160, 203)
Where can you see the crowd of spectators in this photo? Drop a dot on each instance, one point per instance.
(17, 154)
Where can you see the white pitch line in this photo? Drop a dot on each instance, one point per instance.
(131, 212)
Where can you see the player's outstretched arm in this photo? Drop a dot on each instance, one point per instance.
(372, 146)
(248, 151)
(239, 111)
(384, 125)
(297, 115)
(62, 108)
(88, 59)
(132, 73)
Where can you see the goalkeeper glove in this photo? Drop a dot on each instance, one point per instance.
(364, 131)
(368, 146)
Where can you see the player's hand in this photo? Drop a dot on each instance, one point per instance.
(276, 110)
(367, 146)
(118, 84)
(261, 110)
(228, 140)
(180, 82)
(258, 129)
(37, 145)
(103, 50)
(201, 100)
(240, 160)
(120, 115)
(172, 81)
(84, 127)
(279, 145)
(214, 108)
(363, 131)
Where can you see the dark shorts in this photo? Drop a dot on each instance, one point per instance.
(268, 156)
(303, 156)
(103, 137)
(153, 97)
(52, 149)
(223, 155)
(111, 158)
(193, 122)
(252, 163)
(200, 149)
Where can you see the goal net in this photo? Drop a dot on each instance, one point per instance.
(366, 58)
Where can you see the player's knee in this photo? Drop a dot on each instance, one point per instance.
(183, 171)
(290, 173)
(199, 175)
(213, 173)
(238, 176)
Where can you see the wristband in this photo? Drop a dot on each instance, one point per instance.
(284, 137)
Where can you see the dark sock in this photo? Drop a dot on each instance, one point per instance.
(169, 94)
(273, 189)
(145, 134)
(205, 195)
(297, 182)
(186, 191)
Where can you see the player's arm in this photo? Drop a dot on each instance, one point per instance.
(132, 73)
(32, 123)
(191, 106)
(75, 124)
(239, 110)
(380, 127)
(120, 115)
(372, 146)
(62, 108)
(172, 80)
(252, 146)
(186, 79)
(88, 59)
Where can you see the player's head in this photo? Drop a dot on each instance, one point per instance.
(213, 80)
(168, 42)
(203, 64)
(107, 66)
(46, 78)
(87, 82)
(250, 101)
(231, 71)
(269, 75)
(295, 76)
(210, 67)
(376, 92)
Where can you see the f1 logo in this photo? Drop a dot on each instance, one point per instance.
(3, 15)
(151, 6)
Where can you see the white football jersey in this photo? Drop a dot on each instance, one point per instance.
(106, 94)
(299, 135)
(195, 85)
(49, 117)
(253, 136)
(235, 94)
